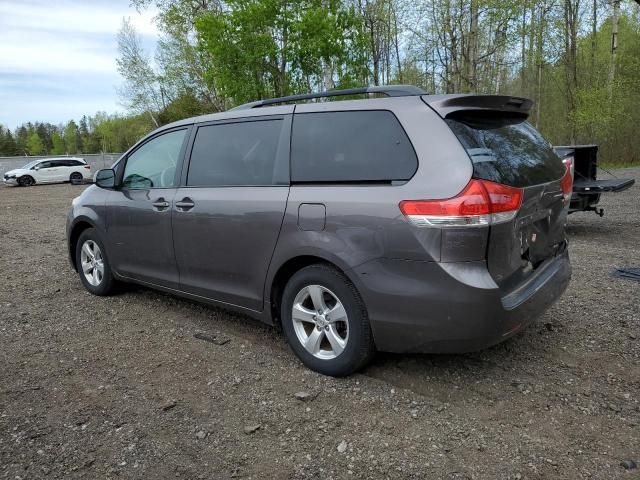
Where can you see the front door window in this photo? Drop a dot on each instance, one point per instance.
(153, 165)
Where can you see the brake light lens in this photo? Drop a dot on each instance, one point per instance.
(481, 203)
(87, 167)
(566, 183)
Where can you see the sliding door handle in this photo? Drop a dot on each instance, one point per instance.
(185, 204)
(161, 204)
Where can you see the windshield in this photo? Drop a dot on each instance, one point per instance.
(31, 164)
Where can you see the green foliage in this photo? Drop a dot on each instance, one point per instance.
(34, 144)
(186, 105)
(58, 144)
(72, 138)
(7, 142)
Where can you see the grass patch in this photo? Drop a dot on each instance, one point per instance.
(614, 166)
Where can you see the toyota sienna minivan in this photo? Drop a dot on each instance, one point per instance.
(401, 222)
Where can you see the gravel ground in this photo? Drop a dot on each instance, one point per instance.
(119, 387)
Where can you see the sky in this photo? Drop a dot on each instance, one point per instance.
(58, 57)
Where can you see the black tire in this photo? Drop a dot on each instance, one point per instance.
(359, 347)
(26, 181)
(76, 178)
(107, 283)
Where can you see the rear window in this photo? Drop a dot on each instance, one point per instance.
(507, 151)
(355, 147)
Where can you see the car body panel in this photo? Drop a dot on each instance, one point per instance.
(420, 307)
(141, 235)
(224, 243)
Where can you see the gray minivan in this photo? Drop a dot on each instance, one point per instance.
(402, 223)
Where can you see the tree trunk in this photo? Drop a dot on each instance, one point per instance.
(395, 36)
(374, 53)
(472, 80)
(523, 50)
(540, 61)
(615, 21)
(594, 31)
(571, 8)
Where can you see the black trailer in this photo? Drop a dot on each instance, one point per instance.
(586, 187)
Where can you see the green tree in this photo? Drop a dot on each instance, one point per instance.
(34, 144)
(266, 48)
(141, 91)
(58, 146)
(71, 138)
(7, 142)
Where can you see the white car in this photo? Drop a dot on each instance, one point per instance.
(49, 170)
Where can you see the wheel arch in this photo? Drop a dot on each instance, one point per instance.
(33, 179)
(79, 226)
(75, 172)
(286, 270)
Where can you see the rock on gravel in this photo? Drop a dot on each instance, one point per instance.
(304, 396)
(249, 429)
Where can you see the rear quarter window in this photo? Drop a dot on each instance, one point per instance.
(507, 151)
(354, 147)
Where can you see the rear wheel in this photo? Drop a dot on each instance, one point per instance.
(26, 181)
(76, 177)
(325, 321)
(93, 264)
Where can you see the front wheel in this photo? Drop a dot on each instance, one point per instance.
(325, 321)
(93, 264)
(26, 181)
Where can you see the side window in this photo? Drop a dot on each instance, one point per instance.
(242, 153)
(153, 165)
(358, 146)
(42, 165)
(59, 163)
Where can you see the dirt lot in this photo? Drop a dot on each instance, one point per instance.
(119, 387)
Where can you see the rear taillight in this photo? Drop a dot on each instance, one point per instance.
(480, 203)
(87, 167)
(566, 183)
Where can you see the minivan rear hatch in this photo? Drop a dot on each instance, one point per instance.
(504, 148)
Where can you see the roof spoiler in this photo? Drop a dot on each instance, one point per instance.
(446, 105)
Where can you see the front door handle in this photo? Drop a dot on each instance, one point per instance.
(185, 204)
(161, 204)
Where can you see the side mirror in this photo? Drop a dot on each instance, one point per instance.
(105, 178)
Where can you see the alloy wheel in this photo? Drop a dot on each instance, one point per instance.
(320, 322)
(92, 262)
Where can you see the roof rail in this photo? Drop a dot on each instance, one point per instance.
(389, 90)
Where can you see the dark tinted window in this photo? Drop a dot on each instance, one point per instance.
(66, 163)
(46, 164)
(508, 152)
(58, 163)
(242, 153)
(356, 146)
